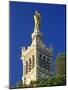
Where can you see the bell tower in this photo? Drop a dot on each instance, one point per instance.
(37, 57)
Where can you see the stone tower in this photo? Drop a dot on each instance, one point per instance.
(37, 57)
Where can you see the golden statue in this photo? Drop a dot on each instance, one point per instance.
(37, 20)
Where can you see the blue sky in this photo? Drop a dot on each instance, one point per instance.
(53, 28)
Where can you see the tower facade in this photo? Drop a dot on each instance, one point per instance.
(37, 57)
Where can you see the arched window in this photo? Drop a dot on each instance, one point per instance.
(33, 61)
(40, 59)
(44, 57)
(40, 56)
(26, 67)
(48, 63)
(30, 64)
(44, 61)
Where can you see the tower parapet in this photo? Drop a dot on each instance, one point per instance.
(23, 49)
